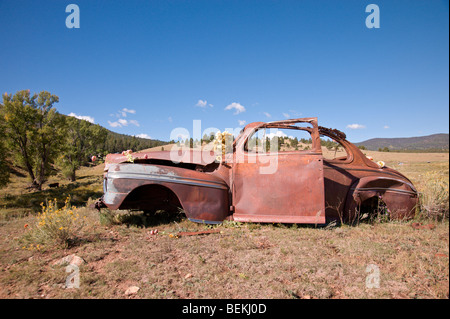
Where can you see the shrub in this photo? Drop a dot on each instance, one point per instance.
(435, 195)
(55, 225)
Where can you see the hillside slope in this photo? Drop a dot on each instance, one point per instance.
(435, 142)
(117, 142)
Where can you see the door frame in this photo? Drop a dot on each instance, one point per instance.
(255, 195)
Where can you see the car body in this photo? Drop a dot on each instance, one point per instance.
(253, 184)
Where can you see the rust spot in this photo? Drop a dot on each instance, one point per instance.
(205, 232)
(420, 226)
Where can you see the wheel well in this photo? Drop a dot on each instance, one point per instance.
(372, 206)
(152, 198)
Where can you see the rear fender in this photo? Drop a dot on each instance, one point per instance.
(400, 196)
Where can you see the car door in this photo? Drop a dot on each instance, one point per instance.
(279, 184)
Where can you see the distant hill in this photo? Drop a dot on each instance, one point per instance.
(116, 142)
(430, 143)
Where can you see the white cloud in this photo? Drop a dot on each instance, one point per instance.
(134, 122)
(267, 114)
(129, 111)
(356, 126)
(286, 115)
(143, 135)
(82, 117)
(242, 122)
(123, 122)
(114, 124)
(202, 103)
(294, 114)
(124, 112)
(170, 119)
(386, 126)
(181, 136)
(237, 106)
(277, 134)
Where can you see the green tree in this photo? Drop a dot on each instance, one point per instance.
(82, 141)
(48, 135)
(280, 142)
(4, 165)
(205, 139)
(33, 131)
(18, 115)
(267, 144)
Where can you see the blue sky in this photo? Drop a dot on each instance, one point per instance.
(148, 67)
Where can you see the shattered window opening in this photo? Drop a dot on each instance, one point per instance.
(332, 149)
(275, 140)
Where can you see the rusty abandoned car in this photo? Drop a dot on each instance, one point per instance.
(255, 183)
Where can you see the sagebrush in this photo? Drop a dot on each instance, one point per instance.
(54, 225)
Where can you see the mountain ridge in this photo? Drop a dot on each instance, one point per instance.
(118, 142)
(433, 142)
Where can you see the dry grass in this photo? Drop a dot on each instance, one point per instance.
(19, 200)
(242, 261)
(54, 225)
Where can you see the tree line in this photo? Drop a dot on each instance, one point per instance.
(38, 139)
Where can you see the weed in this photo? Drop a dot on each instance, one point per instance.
(435, 195)
(232, 224)
(202, 260)
(54, 225)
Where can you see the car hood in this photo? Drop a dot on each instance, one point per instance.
(199, 157)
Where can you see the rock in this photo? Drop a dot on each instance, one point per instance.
(131, 290)
(70, 260)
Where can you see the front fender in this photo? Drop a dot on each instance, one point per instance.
(399, 195)
(203, 197)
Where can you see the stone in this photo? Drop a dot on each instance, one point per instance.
(70, 260)
(131, 290)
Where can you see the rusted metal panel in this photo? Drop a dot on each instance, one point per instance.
(196, 233)
(399, 195)
(180, 155)
(202, 196)
(292, 191)
(293, 194)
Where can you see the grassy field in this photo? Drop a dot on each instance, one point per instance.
(236, 261)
